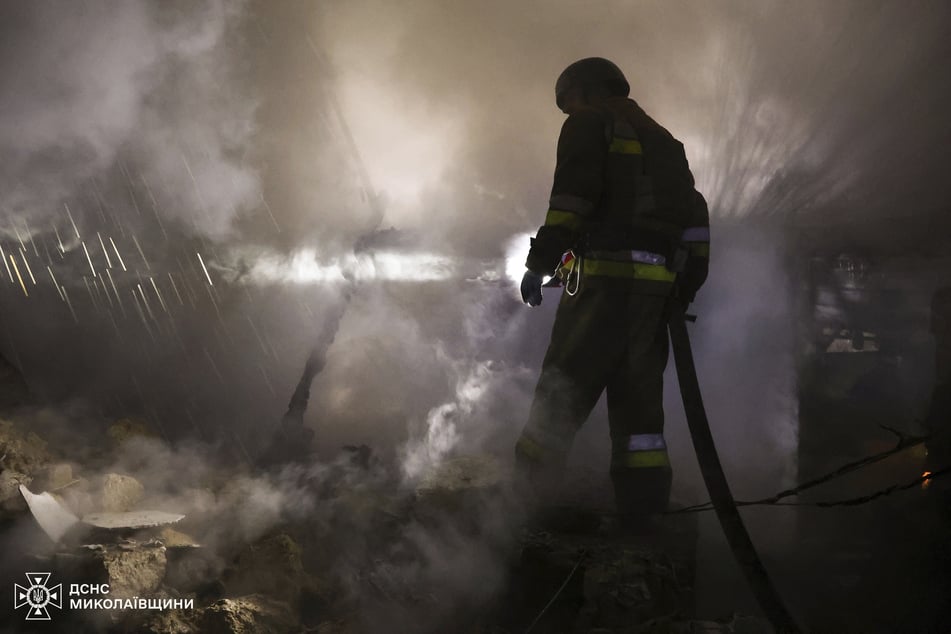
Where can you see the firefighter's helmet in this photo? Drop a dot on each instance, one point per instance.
(591, 72)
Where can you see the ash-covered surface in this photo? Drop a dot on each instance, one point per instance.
(357, 551)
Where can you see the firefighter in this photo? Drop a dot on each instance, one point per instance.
(625, 230)
(939, 416)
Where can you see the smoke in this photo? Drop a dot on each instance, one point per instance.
(443, 423)
(148, 92)
(305, 267)
(233, 155)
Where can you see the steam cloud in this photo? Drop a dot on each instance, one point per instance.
(272, 137)
(146, 89)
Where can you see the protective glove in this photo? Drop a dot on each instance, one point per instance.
(532, 288)
(692, 279)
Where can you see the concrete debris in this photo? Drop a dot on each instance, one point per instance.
(57, 521)
(270, 566)
(252, 614)
(130, 568)
(120, 493)
(174, 539)
(21, 451)
(604, 579)
(58, 476)
(457, 484)
(173, 622)
(131, 520)
(10, 483)
(635, 584)
(463, 473)
(193, 570)
(365, 558)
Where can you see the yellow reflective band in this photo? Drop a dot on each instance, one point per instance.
(699, 249)
(625, 146)
(558, 218)
(530, 449)
(643, 459)
(636, 270)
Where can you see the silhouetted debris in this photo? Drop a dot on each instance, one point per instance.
(364, 554)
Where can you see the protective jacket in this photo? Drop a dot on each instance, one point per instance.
(623, 204)
(623, 200)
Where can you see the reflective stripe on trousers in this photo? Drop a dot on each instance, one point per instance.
(642, 451)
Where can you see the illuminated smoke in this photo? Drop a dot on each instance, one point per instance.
(305, 267)
(515, 254)
(445, 423)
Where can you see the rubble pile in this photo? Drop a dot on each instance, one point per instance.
(452, 551)
(23, 458)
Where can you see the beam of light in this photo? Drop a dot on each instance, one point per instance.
(19, 238)
(112, 283)
(69, 304)
(29, 234)
(59, 241)
(89, 259)
(175, 288)
(56, 284)
(116, 249)
(205, 269)
(105, 291)
(270, 214)
(138, 308)
(92, 297)
(159, 295)
(515, 254)
(141, 252)
(104, 251)
(19, 277)
(71, 222)
(191, 175)
(303, 267)
(9, 272)
(27, 265)
(145, 302)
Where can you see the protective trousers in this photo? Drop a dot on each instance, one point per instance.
(605, 337)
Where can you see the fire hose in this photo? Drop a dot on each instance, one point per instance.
(717, 486)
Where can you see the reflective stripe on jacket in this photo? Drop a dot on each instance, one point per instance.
(618, 169)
